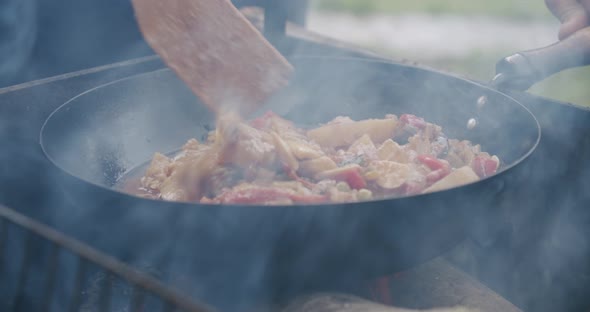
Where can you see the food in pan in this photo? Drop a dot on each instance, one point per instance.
(269, 161)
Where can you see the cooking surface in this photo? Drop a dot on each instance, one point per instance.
(509, 258)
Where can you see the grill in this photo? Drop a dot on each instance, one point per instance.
(436, 282)
(140, 284)
(144, 290)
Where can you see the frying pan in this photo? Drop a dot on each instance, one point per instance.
(245, 252)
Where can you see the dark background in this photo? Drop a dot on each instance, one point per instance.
(40, 38)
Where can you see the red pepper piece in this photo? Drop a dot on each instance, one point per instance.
(432, 162)
(413, 121)
(440, 168)
(353, 177)
(437, 175)
(484, 166)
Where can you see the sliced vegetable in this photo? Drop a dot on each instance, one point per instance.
(456, 178)
(344, 134)
(485, 166)
(350, 174)
(392, 175)
(310, 168)
(390, 150)
(437, 175)
(284, 152)
(363, 146)
(271, 162)
(267, 194)
(304, 150)
(432, 162)
(440, 168)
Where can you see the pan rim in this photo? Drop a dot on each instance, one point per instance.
(482, 86)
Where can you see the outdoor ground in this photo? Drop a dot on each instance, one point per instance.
(463, 36)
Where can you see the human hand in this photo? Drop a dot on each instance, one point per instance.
(573, 15)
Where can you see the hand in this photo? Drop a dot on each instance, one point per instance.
(573, 14)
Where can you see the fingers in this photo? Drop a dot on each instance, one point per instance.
(572, 14)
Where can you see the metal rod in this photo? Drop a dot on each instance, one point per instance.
(116, 267)
(77, 289)
(50, 281)
(106, 288)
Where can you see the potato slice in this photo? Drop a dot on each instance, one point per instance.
(391, 174)
(390, 150)
(344, 134)
(363, 146)
(329, 174)
(284, 152)
(304, 150)
(312, 167)
(458, 177)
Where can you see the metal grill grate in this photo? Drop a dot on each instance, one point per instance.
(141, 284)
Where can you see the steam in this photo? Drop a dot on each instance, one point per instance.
(254, 254)
(234, 257)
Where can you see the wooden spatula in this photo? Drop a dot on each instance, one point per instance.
(215, 50)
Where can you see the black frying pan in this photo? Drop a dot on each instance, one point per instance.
(245, 252)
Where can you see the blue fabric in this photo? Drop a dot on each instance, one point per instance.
(17, 36)
(45, 38)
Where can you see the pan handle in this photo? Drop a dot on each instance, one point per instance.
(522, 70)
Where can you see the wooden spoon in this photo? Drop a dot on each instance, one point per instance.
(215, 50)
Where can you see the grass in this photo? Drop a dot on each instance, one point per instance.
(515, 9)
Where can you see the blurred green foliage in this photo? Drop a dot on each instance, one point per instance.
(529, 9)
(570, 86)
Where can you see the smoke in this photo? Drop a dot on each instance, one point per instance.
(251, 254)
(532, 247)
(539, 258)
(233, 257)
